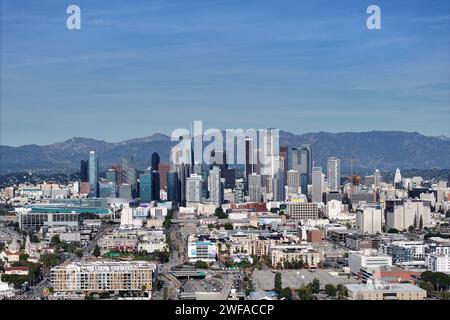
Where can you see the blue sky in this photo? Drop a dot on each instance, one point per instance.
(140, 67)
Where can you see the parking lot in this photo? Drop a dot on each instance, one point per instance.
(264, 279)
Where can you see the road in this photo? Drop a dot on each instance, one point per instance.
(177, 257)
(89, 247)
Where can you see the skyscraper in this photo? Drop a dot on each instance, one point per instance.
(184, 171)
(164, 168)
(277, 194)
(129, 175)
(145, 187)
(255, 187)
(398, 176)
(295, 159)
(111, 177)
(317, 184)
(377, 178)
(194, 188)
(215, 186)
(118, 170)
(284, 155)
(306, 161)
(250, 157)
(173, 187)
(155, 161)
(93, 174)
(270, 161)
(304, 183)
(84, 171)
(334, 174)
(155, 186)
(293, 180)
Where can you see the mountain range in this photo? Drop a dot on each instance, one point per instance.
(384, 150)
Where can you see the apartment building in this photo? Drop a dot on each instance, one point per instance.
(307, 255)
(102, 275)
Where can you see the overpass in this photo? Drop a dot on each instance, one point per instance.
(188, 273)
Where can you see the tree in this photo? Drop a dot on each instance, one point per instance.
(421, 223)
(341, 291)
(415, 221)
(16, 280)
(199, 264)
(55, 240)
(411, 228)
(228, 226)
(278, 286)
(428, 287)
(49, 260)
(439, 280)
(220, 213)
(96, 251)
(286, 293)
(393, 230)
(315, 285)
(23, 257)
(445, 295)
(168, 219)
(79, 253)
(104, 295)
(305, 293)
(330, 290)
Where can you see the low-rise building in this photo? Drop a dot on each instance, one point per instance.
(370, 260)
(438, 262)
(383, 291)
(203, 249)
(292, 253)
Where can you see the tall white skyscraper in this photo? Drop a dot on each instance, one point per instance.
(255, 187)
(334, 174)
(194, 188)
(215, 186)
(270, 157)
(398, 176)
(377, 178)
(317, 184)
